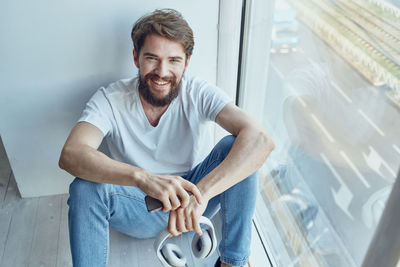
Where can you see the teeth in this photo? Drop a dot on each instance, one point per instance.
(160, 82)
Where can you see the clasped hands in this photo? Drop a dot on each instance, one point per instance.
(173, 191)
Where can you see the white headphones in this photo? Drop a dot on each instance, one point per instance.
(202, 246)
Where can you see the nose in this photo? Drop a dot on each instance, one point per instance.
(162, 69)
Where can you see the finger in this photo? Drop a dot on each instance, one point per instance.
(195, 191)
(172, 224)
(175, 203)
(181, 226)
(188, 220)
(196, 224)
(166, 204)
(184, 197)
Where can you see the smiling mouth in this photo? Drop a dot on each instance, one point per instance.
(159, 82)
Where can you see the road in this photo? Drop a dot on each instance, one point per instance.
(339, 131)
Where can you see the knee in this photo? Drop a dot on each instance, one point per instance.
(250, 183)
(225, 144)
(227, 141)
(253, 180)
(247, 189)
(83, 191)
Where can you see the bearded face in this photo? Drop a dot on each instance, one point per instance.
(161, 63)
(150, 78)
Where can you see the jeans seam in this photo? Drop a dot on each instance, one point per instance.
(105, 248)
(223, 210)
(222, 204)
(107, 217)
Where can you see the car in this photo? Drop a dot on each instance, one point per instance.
(285, 29)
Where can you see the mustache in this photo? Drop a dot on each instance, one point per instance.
(145, 92)
(154, 76)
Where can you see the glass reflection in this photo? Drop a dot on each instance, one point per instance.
(332, 106)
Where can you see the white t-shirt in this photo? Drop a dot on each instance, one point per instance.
(180, 141)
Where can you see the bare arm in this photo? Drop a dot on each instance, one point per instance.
(249, 151)
(81, 158)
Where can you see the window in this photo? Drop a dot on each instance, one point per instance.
(324, 78)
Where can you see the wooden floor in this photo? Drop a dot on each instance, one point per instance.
(34, 232)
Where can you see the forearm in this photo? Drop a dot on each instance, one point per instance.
(248, 153)
(88, 163)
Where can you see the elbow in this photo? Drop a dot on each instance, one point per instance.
(267, 142)
(63, 161)
(271, 144)
(60, 164)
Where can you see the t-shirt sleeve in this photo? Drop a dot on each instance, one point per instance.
(211, 101)
(98, 112)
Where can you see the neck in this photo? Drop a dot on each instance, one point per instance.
(153, 113)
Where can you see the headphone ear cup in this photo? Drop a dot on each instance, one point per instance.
(173, 255)
(202, 245)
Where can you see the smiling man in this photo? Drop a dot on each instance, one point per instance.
(154, 128)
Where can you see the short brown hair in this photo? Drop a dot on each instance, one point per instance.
(168, 23)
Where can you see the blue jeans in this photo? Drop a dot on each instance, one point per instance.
(93, 207)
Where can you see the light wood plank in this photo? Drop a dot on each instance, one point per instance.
(19, 240)
(5, 172)
(6, 210)
(46, 232)
(12, 195)
(123, 251)
(64, 253)
(146, 254)
(5, 220)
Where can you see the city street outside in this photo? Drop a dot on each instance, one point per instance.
(338, 147)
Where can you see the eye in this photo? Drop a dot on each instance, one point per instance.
(175, 60)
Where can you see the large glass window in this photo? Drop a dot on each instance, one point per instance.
(332, 106)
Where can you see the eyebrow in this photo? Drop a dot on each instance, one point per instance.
(154, 55)
(149, 54)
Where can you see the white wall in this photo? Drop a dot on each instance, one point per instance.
(55, 54)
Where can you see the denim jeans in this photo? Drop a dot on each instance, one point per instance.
(93, 207)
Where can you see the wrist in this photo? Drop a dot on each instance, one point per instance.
(205, 191)
(137, 177)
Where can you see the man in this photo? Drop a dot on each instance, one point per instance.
(153, 125)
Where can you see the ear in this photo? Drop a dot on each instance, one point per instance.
(187, 61)
(135, 58)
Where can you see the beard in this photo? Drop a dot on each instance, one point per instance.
(145, 92)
